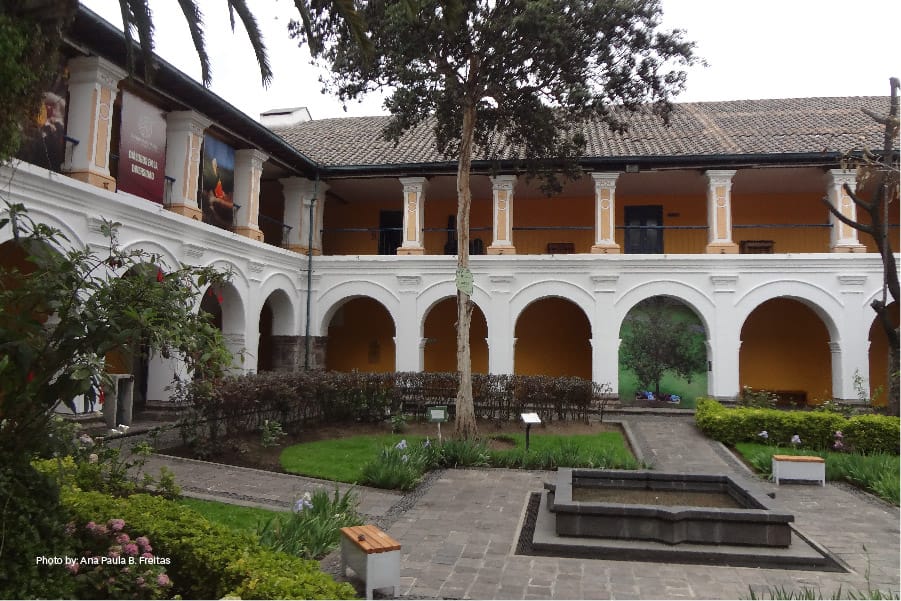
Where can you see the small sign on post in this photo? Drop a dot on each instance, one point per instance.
(437, 414)
(528, 419)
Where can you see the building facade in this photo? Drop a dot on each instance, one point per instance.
(342, 246)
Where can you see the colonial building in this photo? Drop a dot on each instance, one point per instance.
(342, 244)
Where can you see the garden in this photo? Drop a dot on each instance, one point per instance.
(859, 449)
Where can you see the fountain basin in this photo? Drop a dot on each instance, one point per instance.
(733, 515)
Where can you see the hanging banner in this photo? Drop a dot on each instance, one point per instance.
(218, 182)
(43, 140)
(142, 149)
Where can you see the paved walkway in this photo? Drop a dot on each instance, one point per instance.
(458, 533)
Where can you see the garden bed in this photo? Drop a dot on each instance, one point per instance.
(247, 450)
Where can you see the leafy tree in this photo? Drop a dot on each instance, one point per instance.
(502, 79)
(658, 341)
(879, 173)
(64, 309)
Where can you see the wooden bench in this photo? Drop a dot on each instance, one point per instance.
(373, 555)
(799, 467)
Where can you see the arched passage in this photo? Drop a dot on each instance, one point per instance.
(440, 333)
(880, 364)
(553, 338)
(785, 348)
(277, 348)
(361, 337)
(226, 310)
(661, 337)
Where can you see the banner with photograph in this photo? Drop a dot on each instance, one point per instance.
(218, 182)
(43, 140)
(142, 149)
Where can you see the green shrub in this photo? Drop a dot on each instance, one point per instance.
(866, 433)
(872, 433)
(31, 526)
(209, 561)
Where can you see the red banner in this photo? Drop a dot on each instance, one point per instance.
(142, 149)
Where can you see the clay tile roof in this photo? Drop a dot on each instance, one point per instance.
(741, 127)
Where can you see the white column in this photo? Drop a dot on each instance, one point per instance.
(414, 211)
(843, 238)
(248, 169)
(502, 190)
(298, 192)
(719, 212)
(605, 213)
(93, 85)
(500, 325)
(184, 138)
(605, 332)
(724, 339)
(408, 349)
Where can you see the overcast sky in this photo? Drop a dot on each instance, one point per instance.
(756, 49)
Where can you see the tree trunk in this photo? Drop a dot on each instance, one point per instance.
(466, 419)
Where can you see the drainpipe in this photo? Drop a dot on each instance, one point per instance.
(307, 341)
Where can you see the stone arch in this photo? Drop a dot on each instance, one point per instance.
(439, 337)
(169, 260)
(821, 301)
(564, 350)
(332, 299)
(699, 302)
(75, 238)
(436, 293)
(361, 336)
(546, 289)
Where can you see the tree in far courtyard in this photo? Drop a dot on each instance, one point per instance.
(878, 171)
(657, 340)
(504, 79)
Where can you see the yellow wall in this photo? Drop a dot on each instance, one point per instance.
(361, 337)
(437, 210)
(783, 209)
(879, 362)
(677, 211)
(552, 212)
(354, 214)
(441, 349)
(785, 346)
(552, 338)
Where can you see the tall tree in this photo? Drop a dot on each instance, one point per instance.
(503, 79)
(659, 341)
(879, 172)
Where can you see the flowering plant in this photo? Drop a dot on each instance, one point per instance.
(796, 440)
(113, 565)
(839, 443)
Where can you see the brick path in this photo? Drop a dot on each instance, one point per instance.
(458, 536)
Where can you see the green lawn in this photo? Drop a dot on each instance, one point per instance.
(338, 459)
(236, 517)
(343, 459)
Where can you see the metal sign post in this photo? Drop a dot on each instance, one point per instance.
(528, 419)
(437, 414)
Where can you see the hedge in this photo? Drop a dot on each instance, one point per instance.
(221, 409)
(209, 561)
(864, 433)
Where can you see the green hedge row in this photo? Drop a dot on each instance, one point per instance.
(863, 433)
(217, 410)
(209, 561)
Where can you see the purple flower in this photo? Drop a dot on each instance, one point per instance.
(130, 549)
(123, 538)
(401, 445)
(163, 580)
(763, 434)
(838, 445)
(838, 434)
(144, 542)
(305, 502)
(100, 530)
(72, 567)
(796, 440)
(140, 581)
(116, 524)
(147, 555)
(90, 526)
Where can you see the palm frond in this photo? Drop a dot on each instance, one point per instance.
(142, 20)
(254, 35)
(194, 18)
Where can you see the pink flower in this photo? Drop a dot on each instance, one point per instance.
(140, 581)
(130, 549)
(90, 526)
(100, 530)
(147, 555)
(72, 567)
(163, 580)
(116, 524)
(70, 528)
(122, 538)
(144, 542)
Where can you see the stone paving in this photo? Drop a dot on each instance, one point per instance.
(458, 535)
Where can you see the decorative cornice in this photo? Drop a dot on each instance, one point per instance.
(194, 251)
